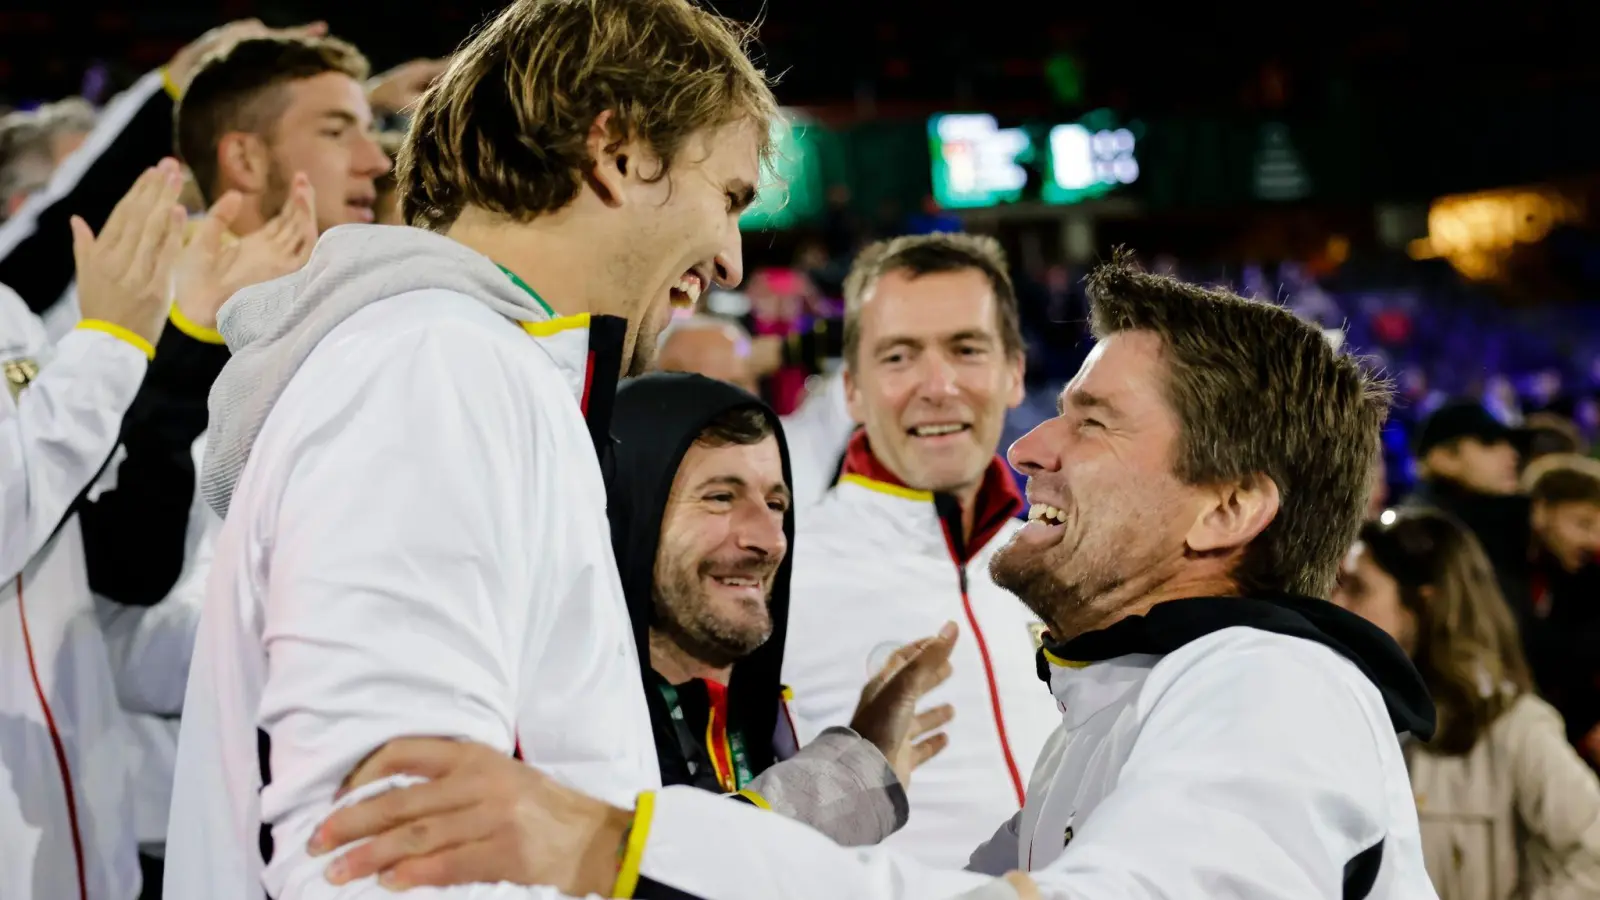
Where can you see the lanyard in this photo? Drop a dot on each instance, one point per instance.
(725, 747)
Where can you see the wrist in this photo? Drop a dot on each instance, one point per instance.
(146, 343)
(622, 835)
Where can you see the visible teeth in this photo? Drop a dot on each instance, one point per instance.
(739, 582)
(932, 430)
(1044, 512)
(690, 287)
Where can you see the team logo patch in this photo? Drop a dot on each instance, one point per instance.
(19, 373)
(1067, 837)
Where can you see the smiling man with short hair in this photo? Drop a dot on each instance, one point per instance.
(934, 358)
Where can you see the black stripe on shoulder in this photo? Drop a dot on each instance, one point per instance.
(655, 890)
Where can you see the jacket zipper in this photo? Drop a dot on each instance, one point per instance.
(954, 544)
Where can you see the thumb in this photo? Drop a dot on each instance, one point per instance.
(82, 239)
(226, 210)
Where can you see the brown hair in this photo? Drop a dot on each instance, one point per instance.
(506, 128)
(928, 254)
(1563, 478)
(1258, 392)
(243, 88)
(741, 426)
(1467, 648)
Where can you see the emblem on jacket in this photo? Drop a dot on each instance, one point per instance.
(19, 373)
(1067, 838)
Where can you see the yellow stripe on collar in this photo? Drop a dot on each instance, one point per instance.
(1063, 663)
(884, 487)
(555, 326)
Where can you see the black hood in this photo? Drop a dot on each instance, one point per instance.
(655, 420)
(1172, 624)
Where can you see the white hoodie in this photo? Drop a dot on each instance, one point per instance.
(416, 545)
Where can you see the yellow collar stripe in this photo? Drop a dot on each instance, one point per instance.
(555, 326)
(884, 487)
(1064, 663)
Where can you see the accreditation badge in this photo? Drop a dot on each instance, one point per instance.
(18, 373)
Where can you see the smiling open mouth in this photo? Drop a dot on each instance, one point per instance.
(938, 430)
(1049, 515)
(686, 293)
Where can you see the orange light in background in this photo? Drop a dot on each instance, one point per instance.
(1477, 232)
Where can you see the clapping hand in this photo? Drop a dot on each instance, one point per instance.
(125, 271)
(212, 268)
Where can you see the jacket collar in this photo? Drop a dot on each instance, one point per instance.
(998, 499)
(588, 351)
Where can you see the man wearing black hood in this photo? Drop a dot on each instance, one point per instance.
(701, 521)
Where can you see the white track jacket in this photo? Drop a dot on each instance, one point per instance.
(1253, 762)
(873, 570)
(417, 545)
(61, 729)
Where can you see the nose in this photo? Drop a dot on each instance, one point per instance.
(1035, 452)
(729, 264)
(761, 531)
(371, 161)
(938, 376)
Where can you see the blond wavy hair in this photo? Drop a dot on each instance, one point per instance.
(506, 128)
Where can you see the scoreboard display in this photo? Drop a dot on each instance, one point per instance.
(976, 163)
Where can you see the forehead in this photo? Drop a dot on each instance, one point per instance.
(759, 464)
(902, 304)
(728, 152)
(329, 92)
(1127, 370)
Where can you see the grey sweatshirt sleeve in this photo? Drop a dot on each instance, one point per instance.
(839, 784)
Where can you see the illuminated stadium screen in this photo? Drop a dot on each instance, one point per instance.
(977, 163)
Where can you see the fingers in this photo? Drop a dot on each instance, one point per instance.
(460, 864)
(416, 839)
(938, 717)
(120, 226)
(226, 210)
(158, 223)
(167, 254)
(431, 758)
(922, 751)
(392, 810)
(82, 241)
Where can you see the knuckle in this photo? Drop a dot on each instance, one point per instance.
(417, 835)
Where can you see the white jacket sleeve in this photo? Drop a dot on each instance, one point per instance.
(998, 855)
(58, 435)
(396, 555)
(1248, 787)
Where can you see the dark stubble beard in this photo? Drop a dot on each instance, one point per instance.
(1068, 608)
(684, 614)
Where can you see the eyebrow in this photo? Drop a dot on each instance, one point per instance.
(1082, 399)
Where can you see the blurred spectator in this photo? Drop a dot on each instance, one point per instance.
(1546, 433)
(1462, 448)
(271, 108)
(33, 144)
(1564, 491)
(1507, 809)
(709, 346)
(1467, 467)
